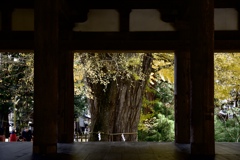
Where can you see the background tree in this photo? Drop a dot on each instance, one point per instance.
(16, 87)
(227, 94)
(80, 105)
(117, 82)
(157, 117)
(226, 74)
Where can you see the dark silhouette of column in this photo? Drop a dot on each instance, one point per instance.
(182, 95)
(66, 98)
(66, 84)
(124, 19)
(182, 82)
(6, 26)
(45, 77)
(6, 19)
(202, 77)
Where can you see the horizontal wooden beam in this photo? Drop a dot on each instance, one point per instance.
(112, 41)
(116, 4)
(116, 41)
(147, 4)
(17, 3)
(17, 41)
(227, 46)
(130, 4)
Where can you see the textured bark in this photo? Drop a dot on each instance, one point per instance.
(117, 110)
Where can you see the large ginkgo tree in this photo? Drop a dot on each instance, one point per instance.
(115, 84)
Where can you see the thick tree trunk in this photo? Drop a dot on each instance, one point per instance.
(117, 110)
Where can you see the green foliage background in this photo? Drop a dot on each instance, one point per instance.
(157, 118)
(227, 92)
(16, 87)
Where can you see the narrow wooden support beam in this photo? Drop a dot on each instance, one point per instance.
(66, 98)
(45, 77)
(182, 85)
(6, 18)
(182, 96)
(124, 19)
(202, 77)
(238, 9)
(65, 85)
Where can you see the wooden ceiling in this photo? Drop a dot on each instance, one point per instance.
(118, 4)
(111, 41)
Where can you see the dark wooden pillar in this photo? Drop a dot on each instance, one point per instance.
(182, 95)
(66, 98)
(182, 83)
(66, 85)
(45, 77)
(124, 19)
(6, 17)
(6, 20)
(238, 9)
(202, 77)
(6, 26)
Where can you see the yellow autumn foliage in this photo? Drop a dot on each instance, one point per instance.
(163, 65)
(227, 74)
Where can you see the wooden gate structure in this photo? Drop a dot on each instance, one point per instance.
(53, 29)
